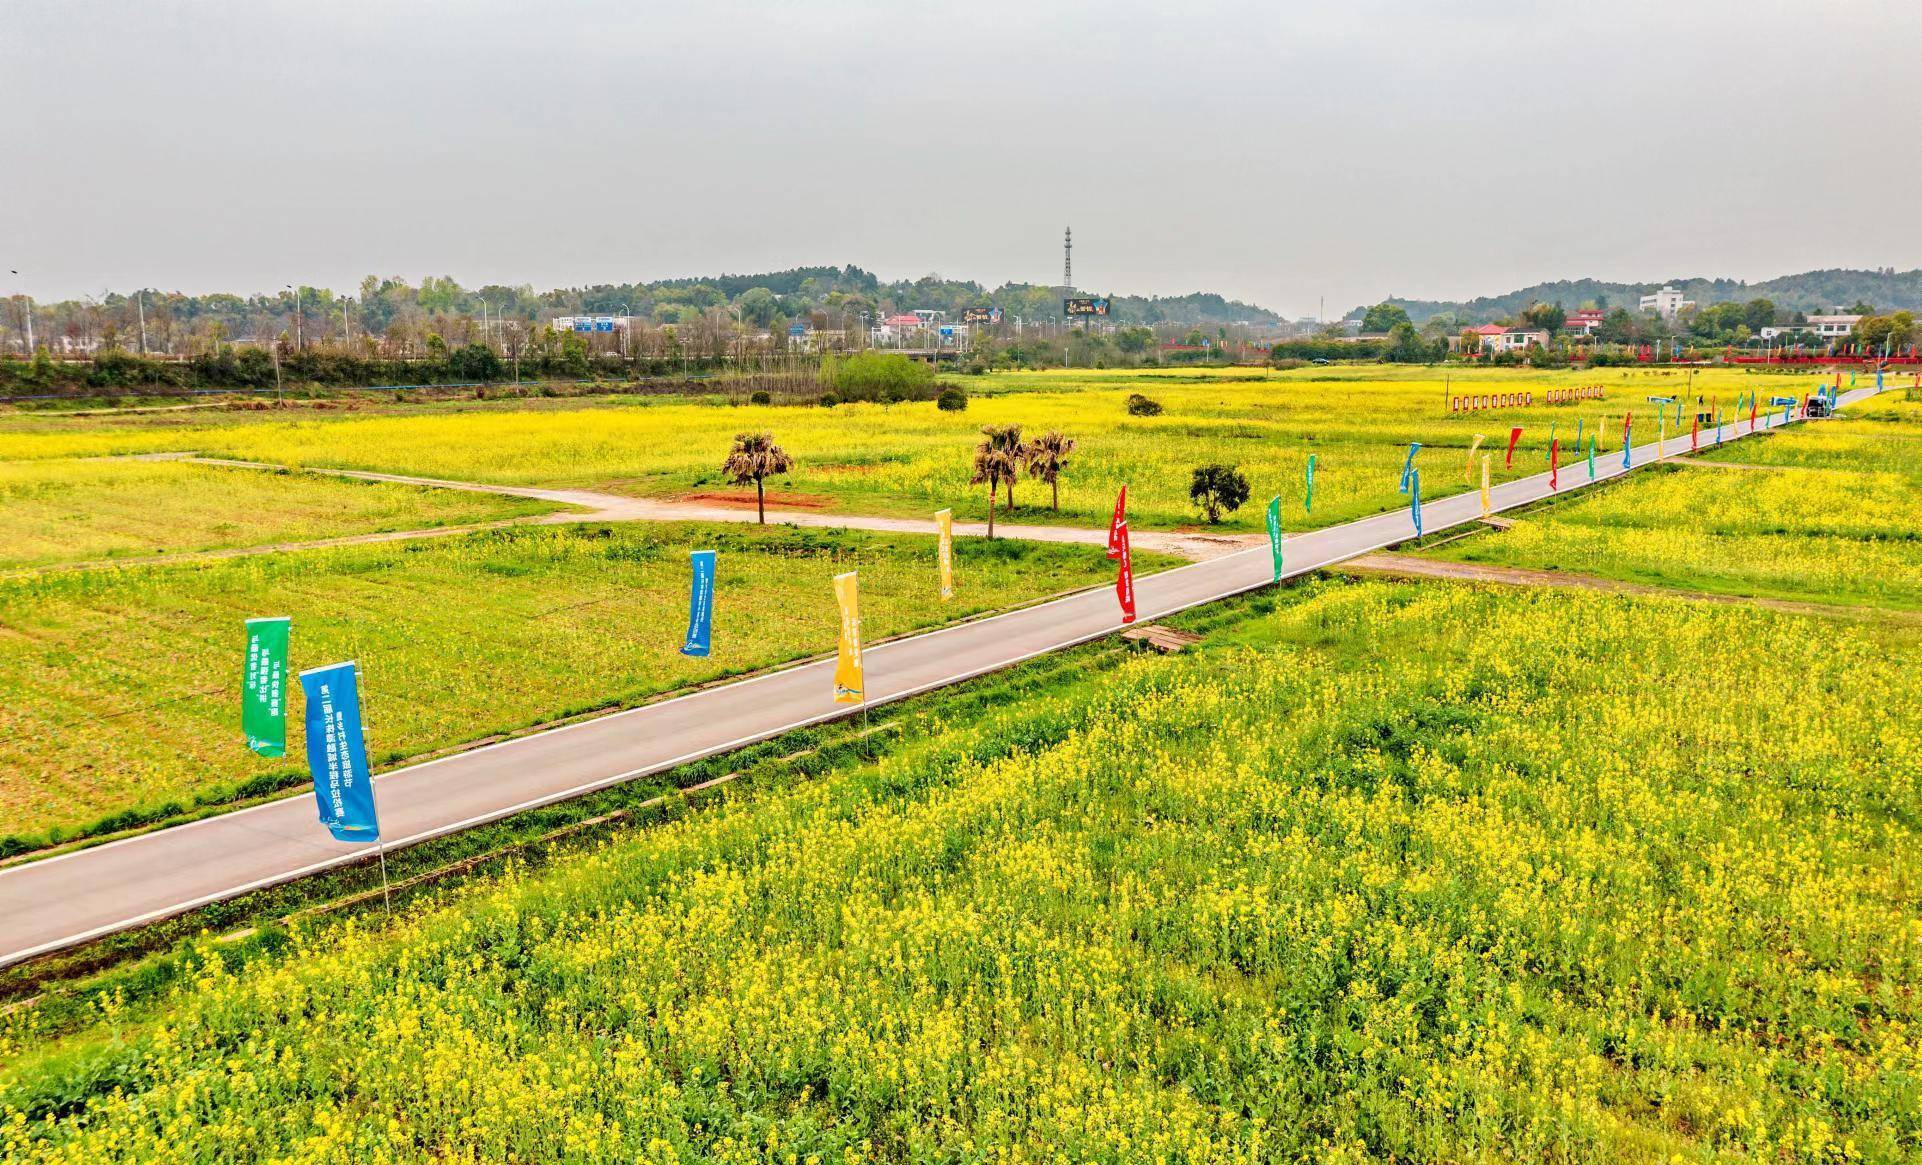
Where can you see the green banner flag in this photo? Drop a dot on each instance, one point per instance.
(1274, 533)
(1308, 496)
(263, 696)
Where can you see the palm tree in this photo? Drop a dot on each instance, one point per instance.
(1019, 454)
(755, 457)
(1047, 454)
(997, 459)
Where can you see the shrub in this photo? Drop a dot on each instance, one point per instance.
(883, 376)
(953, 399)
(829, 400)
(474, 362)
(1218, 489)
(761, 396)
(1141, 406)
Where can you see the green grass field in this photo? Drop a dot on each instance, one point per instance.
(123, 685)
(61, 510)
(1831, 518)
(1420, 873)
(911, 458)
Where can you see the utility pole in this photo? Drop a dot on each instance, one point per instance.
(140, 301)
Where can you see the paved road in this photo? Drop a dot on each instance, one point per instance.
(68, 899)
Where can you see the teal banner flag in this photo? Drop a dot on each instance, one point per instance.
(263, 689)
(1308, 496)
(337, 753)
(1274, 533)
(1408, 466)
(1414, 498)
(700, 604)
(1591, 458)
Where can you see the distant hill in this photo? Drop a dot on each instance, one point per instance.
(812, 287)
(1810, 291)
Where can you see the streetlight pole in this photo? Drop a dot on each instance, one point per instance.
(297, 329)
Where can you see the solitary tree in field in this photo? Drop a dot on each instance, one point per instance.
(1218, 489)
(755, 457)
(998, 458)
(1047, 456)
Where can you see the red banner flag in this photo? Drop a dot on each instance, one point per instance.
(1124, 581)
(1694, 427)
(1628, 422)
(1118, 523)
(1514, 435)
(1754, 398)
(1554, 464)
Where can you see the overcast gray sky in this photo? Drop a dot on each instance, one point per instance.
(1275, 152)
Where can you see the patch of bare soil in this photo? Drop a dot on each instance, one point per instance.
(745, 499)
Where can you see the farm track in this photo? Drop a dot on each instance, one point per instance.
(72, 898)
(596, 506)
(1400, 566)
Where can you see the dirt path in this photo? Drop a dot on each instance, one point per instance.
(595, 506)
(1398, 566)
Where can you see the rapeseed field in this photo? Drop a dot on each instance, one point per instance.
(1422, 873)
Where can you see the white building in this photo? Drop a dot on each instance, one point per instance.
(1829, 327)
(896, 330)
(1667, 302)
(1515, 340)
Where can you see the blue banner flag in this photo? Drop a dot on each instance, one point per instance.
(337, 753)
(1628, 441)
(1408, 466)
(1414, 498)
(700, 604)
(1308, 497)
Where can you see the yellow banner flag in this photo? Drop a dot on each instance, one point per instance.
(944, 522)
(849, 685)
(1469, 466)
(1485, 504)
(1601, 435)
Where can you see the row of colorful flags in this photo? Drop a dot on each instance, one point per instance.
(336, 747)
